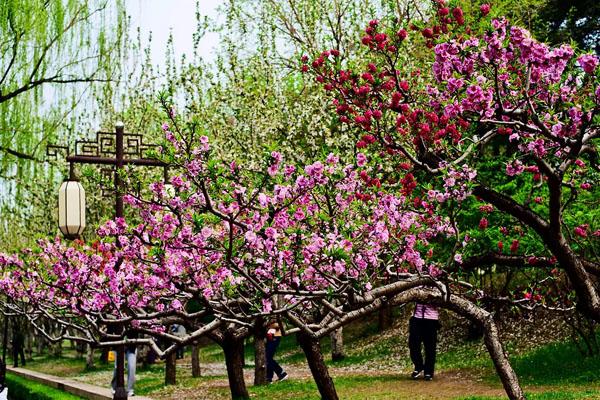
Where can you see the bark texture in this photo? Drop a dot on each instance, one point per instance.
(89, 359)
(233, 347)
(337, 344)
(385, 317)
(196, 371)
(316, 363)
(260, 354)
(171, 369)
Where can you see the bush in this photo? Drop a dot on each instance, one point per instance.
(22, 389)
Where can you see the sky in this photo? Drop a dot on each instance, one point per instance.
(178, 16)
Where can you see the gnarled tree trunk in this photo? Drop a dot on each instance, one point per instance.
(507, 375)
(260, 353)
(337, 344)
(196, 372)
(384, 317)
(233, 347)
(89, 359)
(171, 369)
(320, 373)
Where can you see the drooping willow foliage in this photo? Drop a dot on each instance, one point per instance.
(54, 55)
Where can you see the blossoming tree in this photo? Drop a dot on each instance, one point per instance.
(521, 115)
(309, 245)
(324, 244)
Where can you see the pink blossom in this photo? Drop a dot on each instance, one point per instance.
(588, 62)
(361, 159)
(581, 230)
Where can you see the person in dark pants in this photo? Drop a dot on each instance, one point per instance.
(273, 339)
(422, 330)
(18, 343)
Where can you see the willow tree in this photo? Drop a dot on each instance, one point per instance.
(253, 96)
(53, 55)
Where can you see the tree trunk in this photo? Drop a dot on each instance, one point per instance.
(337, 344)
(89, 359)
(171, 369)
(196, 372)
(104, 355)
(507, 375)
(57, 349)
(40, 344)
(260, 353)
(233, 347)
(79, 350)
(320, 373)
(29, 347)
(385, 317)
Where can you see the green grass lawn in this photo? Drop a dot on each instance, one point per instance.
(23, 389)
(550, 372)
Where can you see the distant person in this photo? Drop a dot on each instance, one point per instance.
(131, 359)
(18, 344)
(273, 339)
(179, 331)
(422, 329)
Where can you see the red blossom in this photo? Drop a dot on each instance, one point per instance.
(581, 230)
(427, 33)
(514, 247)
(457, 12)
(532, 260)
(485, 9)
(408, 184)
(483, 223)
(368, 77)
(380, 37)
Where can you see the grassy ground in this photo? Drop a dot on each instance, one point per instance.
(376, 367)
(23, 389)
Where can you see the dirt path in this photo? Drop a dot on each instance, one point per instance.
(396, 386)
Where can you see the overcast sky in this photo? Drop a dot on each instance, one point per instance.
(178, 16)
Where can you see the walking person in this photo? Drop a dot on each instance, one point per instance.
(422, 330)
(131, 359)
(273, 339)
(180, 331)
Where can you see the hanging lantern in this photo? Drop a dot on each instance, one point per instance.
(71, 208)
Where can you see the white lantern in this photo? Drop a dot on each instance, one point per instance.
(71, 209)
